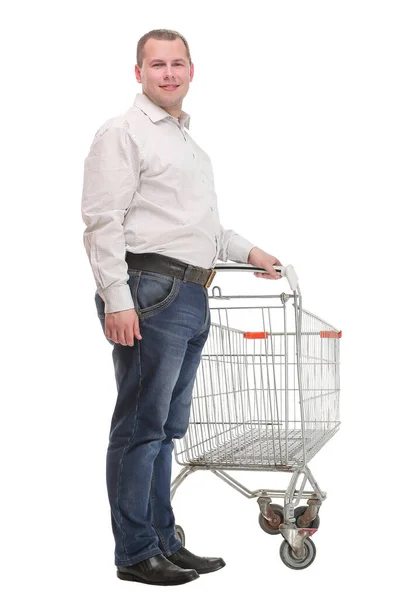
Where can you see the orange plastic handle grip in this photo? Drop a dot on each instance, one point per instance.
(256, 335)
(330, 334)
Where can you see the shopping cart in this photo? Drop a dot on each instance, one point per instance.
(266, 397)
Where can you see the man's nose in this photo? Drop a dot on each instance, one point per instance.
(168, 72)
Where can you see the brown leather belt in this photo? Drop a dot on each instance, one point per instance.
(166, 265)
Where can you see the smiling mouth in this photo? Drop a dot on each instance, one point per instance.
(169, 87)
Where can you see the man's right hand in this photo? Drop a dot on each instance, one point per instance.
(122, 327)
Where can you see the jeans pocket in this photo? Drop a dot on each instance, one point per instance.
(152, 292)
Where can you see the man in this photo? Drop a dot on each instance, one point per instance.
(152, 236)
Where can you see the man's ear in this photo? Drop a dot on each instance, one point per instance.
(191, 71)
(138, 74)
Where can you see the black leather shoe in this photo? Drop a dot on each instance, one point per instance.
(186, 560)
(156, 570)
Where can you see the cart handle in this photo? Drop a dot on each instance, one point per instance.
(287, 271)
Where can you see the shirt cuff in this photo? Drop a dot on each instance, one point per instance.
(239, 249)
(117, 298)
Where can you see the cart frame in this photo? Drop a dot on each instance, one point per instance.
(296, 524)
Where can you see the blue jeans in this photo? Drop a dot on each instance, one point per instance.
(155, 379)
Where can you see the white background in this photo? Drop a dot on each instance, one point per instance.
(297, 103)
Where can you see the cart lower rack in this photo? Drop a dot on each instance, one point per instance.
(266, 397)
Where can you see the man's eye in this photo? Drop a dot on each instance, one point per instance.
(176, 65)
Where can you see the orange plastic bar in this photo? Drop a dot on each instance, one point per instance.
(256, 335)
(330, 334)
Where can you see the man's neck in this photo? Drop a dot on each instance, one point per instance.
(174, 111)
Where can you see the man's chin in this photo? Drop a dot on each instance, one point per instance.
(174, 96)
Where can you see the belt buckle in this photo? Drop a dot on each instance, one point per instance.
(210, 278)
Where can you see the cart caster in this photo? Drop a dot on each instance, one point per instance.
(300, 510)
(180, 534)
(268, 526)
(288, 557)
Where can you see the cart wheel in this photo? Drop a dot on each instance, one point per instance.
(291, 561)
(266, 525)
(180, 534)
(300, 510)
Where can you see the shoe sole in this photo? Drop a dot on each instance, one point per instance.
(129, 577)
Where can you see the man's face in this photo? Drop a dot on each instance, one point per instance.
(165, 74)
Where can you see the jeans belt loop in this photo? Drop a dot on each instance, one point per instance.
(210, 278)
(187, 273)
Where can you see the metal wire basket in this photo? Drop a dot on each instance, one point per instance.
(266, 397)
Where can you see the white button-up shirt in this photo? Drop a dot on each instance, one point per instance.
(148, 187)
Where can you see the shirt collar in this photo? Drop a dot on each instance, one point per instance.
(156, 113)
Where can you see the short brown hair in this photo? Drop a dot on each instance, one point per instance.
(159, 34)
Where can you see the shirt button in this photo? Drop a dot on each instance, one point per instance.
(194, 156)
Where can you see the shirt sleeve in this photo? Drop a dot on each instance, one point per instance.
(111, 173)
(233, 246)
